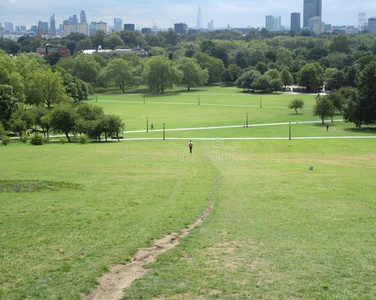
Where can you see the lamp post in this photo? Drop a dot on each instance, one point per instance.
(147, 124)
(289, 130)
(246, 121)
(164, 131)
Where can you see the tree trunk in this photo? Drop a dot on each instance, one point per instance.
(322, 120)
(67, 136)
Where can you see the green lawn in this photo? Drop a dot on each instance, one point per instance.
(277, 230)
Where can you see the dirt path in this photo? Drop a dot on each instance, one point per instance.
(112, 284)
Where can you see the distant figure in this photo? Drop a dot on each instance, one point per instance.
(152, 127)
(190, 145)
(327, 127)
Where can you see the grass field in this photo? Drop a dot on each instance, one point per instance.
(277, 230)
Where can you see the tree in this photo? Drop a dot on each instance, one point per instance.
(337, 99)
(310, 76)
(113, 41)
(22, 120)
(296, 104)
(120, 72)
(214, 66)
(246, 80)
(262, 83)
(84, 44)
(8, 104)
(323, 108)
(361, 108)
(340, 43)
(111, 125)
(235, 71)
(64, 119)
(159, 74)
(45, 87)
(193, 75)
(286, 78)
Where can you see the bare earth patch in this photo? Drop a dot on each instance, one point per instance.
(112, 284)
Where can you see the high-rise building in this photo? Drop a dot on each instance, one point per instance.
(8, 26)
(52, 24)
(92, 28)
(22, 27)
(273, 23)
(83, 28)
(1, 25)
(68, 28)
(83, 17)
(42, 27)
(312, 21)
(146, 30)
(118, 23)
(129, 27)
(311, 8)
(199, 18)
(361, 20)
(181, 28)
(211, 25)
(295, 22)
(372, 24)
(101, 26)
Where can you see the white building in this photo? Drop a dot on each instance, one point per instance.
(83, 28)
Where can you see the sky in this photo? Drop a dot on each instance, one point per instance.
(164, 13)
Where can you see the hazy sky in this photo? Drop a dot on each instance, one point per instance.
(166, 12)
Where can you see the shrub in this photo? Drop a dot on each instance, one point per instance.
(24, 138)
(63, 140)
(36, 140)
(83, 139)
(5, 140)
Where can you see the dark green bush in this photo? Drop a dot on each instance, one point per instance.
(36, 140)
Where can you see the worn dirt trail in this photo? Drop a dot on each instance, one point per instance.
(112, 284)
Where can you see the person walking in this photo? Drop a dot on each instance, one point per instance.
(152, 127)
(190, 145)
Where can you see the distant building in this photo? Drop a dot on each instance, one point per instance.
(108, 52)
(295, 22)
(181, 28)
(48, 49)
(361, 20)
(83, 17)
(328, 28)
(92, 28)
(146, 30)
(311, 8)
(311, 21)
(52, 25)
(372, 25)
(68, 28)
(129, 27)
(273, 23)
(199, 18)
(211, 25)
(101, 26)
(318, 27)
(118, 24)
(8, 26)
(42, 27)
(34, 28)
(22, 27)
(83, 28)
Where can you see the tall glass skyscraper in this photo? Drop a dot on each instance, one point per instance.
(83, 17)
(311, 8)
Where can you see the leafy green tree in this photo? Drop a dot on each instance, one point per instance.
(45, 87)
(276, 85)
(284, 58)
(132, 39)
(8, 104)
(214, 66)
(120, 72)
(84, 44)
(98, 38)
(337, 99)
(361, 108)
(22, 119)
(246, 80)
(323, 108)
(311, 77)
(262, 83)
(193, 75)
(85, 67)
(113, 41)
(159, 74)
(111, 125)
(286, 78)
(296, 104)
(235, 71)
(64, 119)
(340, 43)
(273, 74)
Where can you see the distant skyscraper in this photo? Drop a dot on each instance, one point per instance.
(312, 21)
(69, 28)
(8, 26)
(92, 28)
(129, 27)
(83, 28)
(361, 20)
(52, 24)
(118, 23)
(295, 22)
(83, 17)
(1, 25)
(181, 28)
(199, 18)
(146, 30)
(372, 25)
(211, 25)
(273, 23)
(311, 8)
(42, 27)
(101, 26)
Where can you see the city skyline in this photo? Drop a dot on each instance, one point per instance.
(165, 13)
